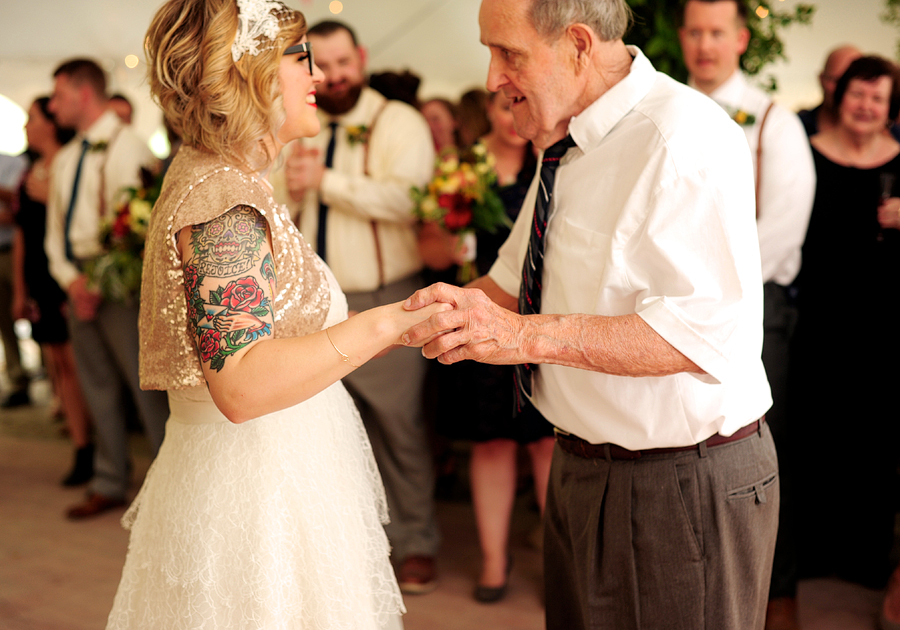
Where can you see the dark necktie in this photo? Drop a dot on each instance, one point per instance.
(323, 208)
(533, 267)
(85, 146)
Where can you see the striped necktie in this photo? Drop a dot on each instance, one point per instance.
(533, 267)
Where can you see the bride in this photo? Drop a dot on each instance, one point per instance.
(264, 507)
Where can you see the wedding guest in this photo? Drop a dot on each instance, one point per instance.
(471, 112)
(440, 114)
(11, 169)
(88, 175)
(122, 107)
(713, 37)
(476, 400)
(37, 296)
(853, 243)
(264, 507)
(350, 186)
(824, 116)
(638, 320)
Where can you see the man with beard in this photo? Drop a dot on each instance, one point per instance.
(351, 186)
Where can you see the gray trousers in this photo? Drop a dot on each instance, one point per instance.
(388, 393)
(106, 356)
(679, 541)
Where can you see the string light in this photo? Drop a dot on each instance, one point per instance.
(336, 6)
(131, 61)
(762, 12)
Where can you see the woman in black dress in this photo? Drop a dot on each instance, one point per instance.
(844, 362)
(37, 297)
(476, 401)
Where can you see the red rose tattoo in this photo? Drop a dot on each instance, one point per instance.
(210, 344)
(243, 295)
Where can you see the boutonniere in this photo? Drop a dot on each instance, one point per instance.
(358, 134)
(99, 147)
(743, 118)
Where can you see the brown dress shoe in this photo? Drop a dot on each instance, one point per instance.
(94, 505)
(781, 614)
(417, 575)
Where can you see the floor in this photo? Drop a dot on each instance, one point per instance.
(60, 575)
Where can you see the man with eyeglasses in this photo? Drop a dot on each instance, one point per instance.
(350, 186)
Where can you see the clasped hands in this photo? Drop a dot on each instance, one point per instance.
(475, 328)
(889, 213)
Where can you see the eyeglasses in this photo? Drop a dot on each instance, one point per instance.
(302, 48)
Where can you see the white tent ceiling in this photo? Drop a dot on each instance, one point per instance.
(436, 39)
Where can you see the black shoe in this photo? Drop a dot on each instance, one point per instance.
(491, 594)
(82, 469)
(16, 399)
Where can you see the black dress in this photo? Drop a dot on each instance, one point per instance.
(50, 325)
(476, 401)
(844, 417)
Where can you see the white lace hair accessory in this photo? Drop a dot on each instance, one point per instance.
(258, 26)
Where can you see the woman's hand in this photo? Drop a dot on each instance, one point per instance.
(889, 213)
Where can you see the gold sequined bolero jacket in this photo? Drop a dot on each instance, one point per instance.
(198, 187)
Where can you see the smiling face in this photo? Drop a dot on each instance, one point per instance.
(503, 125)
(865, 107)
(441, 122)
(712, 42)
(343, 65)
(538, 76)
(298, 90)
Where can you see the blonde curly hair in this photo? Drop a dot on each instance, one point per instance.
(214, 103)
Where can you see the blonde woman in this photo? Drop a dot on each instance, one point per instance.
(264, 507)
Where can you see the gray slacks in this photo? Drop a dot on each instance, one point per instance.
(106, 356)
(388, 393)
(679, 541)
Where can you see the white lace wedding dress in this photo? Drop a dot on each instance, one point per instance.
(273, 523)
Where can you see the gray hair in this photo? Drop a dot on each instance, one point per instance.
(608, 18)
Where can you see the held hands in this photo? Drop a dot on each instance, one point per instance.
(475, 328)
(302, 171)
(889, 213)
(85, 301)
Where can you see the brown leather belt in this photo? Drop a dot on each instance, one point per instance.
(576, 446)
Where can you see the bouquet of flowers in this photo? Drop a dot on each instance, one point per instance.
(461, 199)
(116, 273)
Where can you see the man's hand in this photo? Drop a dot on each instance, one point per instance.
(302, 171)
(85, 301)
(476, 328)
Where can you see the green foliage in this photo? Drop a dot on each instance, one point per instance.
(655, 31)
(891, 15)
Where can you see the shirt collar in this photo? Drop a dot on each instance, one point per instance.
(103, 128)
(730, 94)
(591, 126)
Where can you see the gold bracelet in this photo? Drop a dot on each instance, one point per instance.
(343, 356)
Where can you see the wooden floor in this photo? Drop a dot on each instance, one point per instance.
(60, 575)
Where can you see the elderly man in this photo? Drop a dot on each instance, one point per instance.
(630, 288)
(713, 37)
(350, 186)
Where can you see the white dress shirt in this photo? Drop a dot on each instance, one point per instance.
(400, 156)
(788, 183)
(124, 156)
(652, 213)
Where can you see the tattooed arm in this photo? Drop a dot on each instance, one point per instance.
(229, 282)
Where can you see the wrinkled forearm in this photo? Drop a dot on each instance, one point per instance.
(622, 346)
